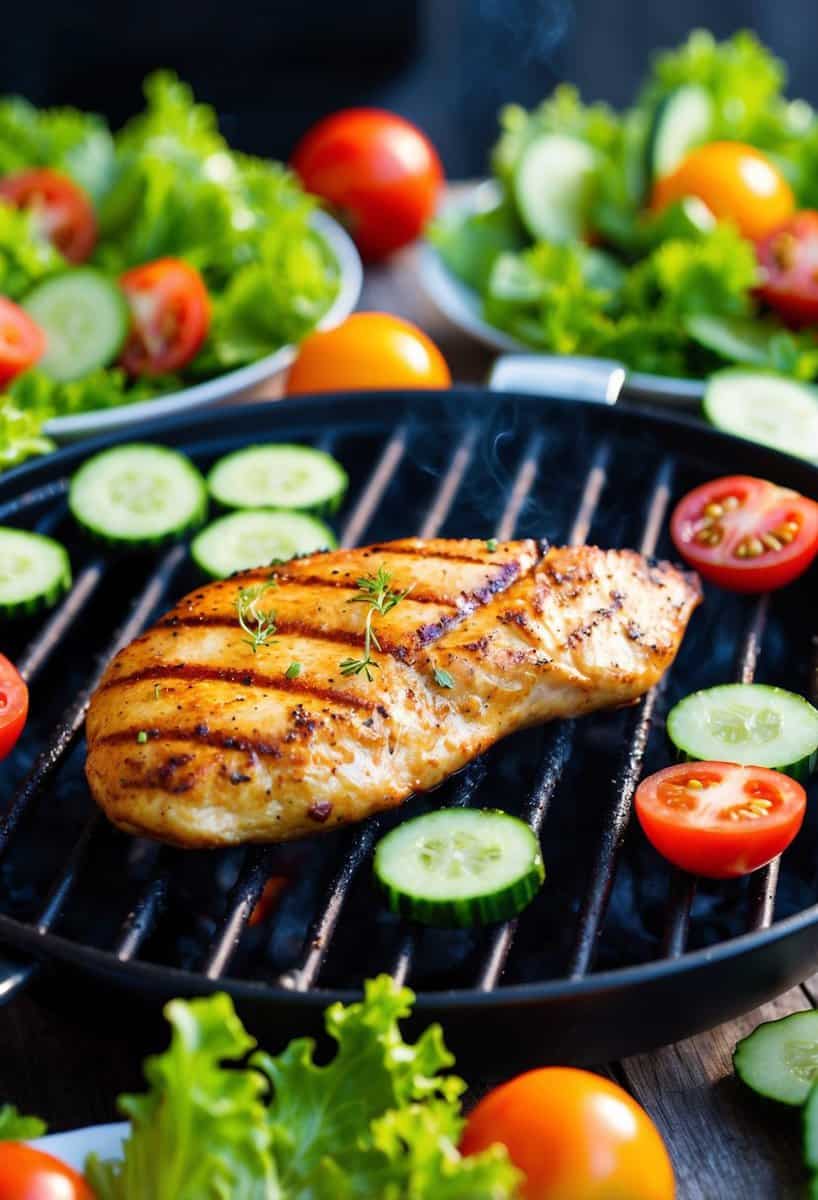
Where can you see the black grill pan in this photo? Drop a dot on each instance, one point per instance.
(618, 953)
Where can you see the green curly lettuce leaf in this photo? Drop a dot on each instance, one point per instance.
(199, 1132)
(25, 257)
(65, 139)
(14, 1127)
(381, 1119)
(21, 435)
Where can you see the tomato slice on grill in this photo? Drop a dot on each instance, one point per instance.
(746, 534)
(62, 211)
(13, 706)
(720, 819)
(170, 316)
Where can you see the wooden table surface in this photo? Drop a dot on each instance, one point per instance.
(60, 1059)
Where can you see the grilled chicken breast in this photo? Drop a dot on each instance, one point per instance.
(198, 737)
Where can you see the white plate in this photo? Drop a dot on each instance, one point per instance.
(74, 1148)
(463, 307)
(234, 383)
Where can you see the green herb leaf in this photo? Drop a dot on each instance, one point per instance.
(14, 1127)
(142, 737)
(491, 545)
(443, 678)
(293, 670)
(259, 624)
(375, 591)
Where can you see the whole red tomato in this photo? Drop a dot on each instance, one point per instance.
(377, 170)
(28, 1174)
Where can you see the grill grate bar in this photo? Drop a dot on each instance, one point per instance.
(251, 880)
(243, 899)
(37, 653)
(305, 974)
(375, 490)
(553, 764)
(62, 888)
(143, 917)
(44, 494)
(51, 757)
(765, 882)
(597, 895)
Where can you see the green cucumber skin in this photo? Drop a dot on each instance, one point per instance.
(800, 771)
(464, 914)
(810, 1133)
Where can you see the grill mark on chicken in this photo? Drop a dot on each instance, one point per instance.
(417, 552)
(199, 735)
(246, 679)
(346, 584)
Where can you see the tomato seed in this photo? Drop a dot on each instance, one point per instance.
(771, 541)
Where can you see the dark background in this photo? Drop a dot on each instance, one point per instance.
(273, 68)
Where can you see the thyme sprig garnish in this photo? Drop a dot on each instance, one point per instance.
(374, 590)
(258, 623)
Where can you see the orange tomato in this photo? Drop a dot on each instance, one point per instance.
(575, 1136)
(367, 350)
(736, 182)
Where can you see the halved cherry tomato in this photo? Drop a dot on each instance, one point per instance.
(575, 1136)
(789, 263)
(13, 707)
(22, 341)
(367, 350)
(719, 819)
(736, 182)
(377, 170)
(746, 534)
(29, 1174)
(170, 316)
(62, 210)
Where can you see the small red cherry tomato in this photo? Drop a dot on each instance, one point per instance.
(22, 342)
(788, 258)
(746, 534)
(62, 210)
(29, 1174)
(170, 316)
(377, 170)
(720, 819)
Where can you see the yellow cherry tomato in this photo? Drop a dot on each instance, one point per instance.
(736, 182)
(575, 1136)
(367, 350)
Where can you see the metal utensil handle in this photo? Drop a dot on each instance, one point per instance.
(599, 379)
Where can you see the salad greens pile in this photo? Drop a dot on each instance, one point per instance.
(167, 184)
(222, 1119)
(639, 290)
(14, 1127)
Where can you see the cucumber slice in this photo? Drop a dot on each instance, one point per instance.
(138, 495)
(256, 537)
(683, 120)
(35, 572)
(765, 408)
(779, 1060)
(554, 185)
(747, 723)
(459, 867)
(810, 1119)
(295, 477)
(85, 320)
(738, 339)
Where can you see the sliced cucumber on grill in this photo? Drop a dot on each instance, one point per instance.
(459, 867)
(296, 477)
(35, 572)
(765, 408)
(138, 495)
(256, 538)
(747, 723)
(683, 120)
(779, 1060)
